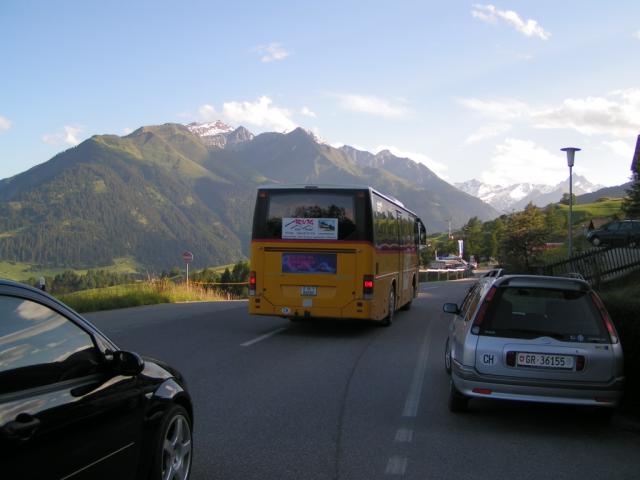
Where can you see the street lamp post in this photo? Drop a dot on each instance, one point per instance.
(571, 152)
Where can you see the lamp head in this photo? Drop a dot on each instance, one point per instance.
(571, 152)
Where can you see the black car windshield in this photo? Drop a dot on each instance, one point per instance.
(519, 312)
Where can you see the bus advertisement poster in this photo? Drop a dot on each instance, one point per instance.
(310, 228)
(309, 263)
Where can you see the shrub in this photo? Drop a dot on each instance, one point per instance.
(624, 309)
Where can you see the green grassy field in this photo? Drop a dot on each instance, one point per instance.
(606, 208)
(132, 295)
(22, 271)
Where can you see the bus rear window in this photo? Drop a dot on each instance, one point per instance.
(328, 215)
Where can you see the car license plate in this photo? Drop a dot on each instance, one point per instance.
(308, 291)
(544, 360)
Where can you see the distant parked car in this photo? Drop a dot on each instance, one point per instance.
(536, 339)
(620, 233)
(72, 405)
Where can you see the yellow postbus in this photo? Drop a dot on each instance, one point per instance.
(332, 252)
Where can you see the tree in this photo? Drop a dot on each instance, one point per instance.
(473, 237)
(240, 273)
(631, 203)
(524, 237)
(565, 199)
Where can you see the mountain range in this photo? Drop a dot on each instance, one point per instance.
(168, 188)
(517, 196)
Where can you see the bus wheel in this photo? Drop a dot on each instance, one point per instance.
(388, 320)
(407, 306)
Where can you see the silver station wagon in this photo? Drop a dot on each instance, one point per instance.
(535, 339)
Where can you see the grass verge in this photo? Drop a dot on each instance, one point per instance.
(133, 295)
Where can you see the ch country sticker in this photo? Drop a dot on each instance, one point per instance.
(488, 359)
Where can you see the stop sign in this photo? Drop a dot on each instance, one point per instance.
(187, 256)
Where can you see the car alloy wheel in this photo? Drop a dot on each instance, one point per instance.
(447, 357)
(596, 241)
(175, 452)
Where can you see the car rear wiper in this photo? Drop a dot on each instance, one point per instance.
(531, 333)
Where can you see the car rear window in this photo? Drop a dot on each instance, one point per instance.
(519, 312)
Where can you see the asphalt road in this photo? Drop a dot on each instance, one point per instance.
(330, 400)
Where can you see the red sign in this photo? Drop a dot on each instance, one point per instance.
(187, 257)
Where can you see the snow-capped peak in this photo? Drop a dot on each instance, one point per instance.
(209, 129)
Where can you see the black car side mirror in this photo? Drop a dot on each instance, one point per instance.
(450, 308)
(127, 363)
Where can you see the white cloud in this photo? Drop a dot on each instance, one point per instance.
(371, 105)
(5, 124)
(307, 112)
(617, 114)
(207, 113)
(516, 161)
(271, 52)
(127, 130)
(437, 167)
(487, 131)
(69, 136)
(490, 14)
(637, 34)
(261, 113)
(620, 148)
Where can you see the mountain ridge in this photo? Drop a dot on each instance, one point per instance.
(162, 189)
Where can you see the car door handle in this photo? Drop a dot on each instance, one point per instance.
(22, 428)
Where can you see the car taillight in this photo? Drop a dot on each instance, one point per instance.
(482, 391)
(580, 363)
(483, 310)
(511, 359)
(367, 287)
(613, 334)
(252, 283)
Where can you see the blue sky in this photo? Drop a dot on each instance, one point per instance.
(474, 90)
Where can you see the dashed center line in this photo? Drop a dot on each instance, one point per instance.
(415, 392)
(263, 337)
(396, 465)
(404, 435)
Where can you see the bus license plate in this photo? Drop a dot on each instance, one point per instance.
(544, 360)
(308, 291)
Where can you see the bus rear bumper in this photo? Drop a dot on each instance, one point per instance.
(357, 309)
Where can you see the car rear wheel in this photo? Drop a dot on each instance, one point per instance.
(447, 357)
(388, 320)
(457, 401)
(595, 241)
(173, 453)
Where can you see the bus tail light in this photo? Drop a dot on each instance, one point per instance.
(367, 287)
(252, 284)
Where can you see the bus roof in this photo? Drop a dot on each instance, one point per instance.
(280, 186)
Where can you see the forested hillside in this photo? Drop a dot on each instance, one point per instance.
(162, 189)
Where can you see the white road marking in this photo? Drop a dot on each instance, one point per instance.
(262, 337)
(415, 392)
(396, 465)
(404, 435)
